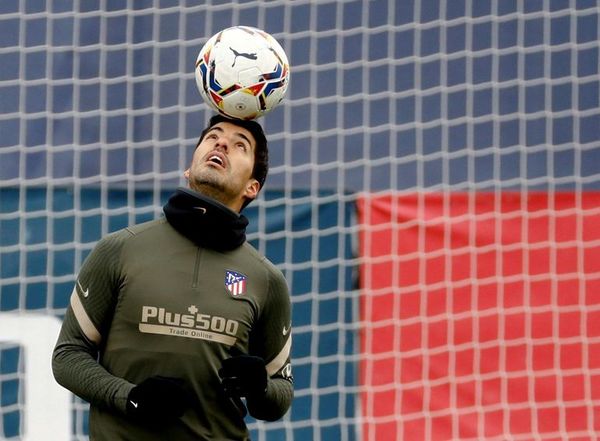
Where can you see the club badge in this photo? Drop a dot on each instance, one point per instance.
(235, 283)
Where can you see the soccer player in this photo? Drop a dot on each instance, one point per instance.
(173, 321)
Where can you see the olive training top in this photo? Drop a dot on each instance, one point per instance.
(148, 301)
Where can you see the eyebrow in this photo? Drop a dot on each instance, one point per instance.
(240, 134)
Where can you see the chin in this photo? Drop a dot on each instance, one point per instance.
(208, 187)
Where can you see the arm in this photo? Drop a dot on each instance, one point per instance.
(275, 403)
(75, 359)
(272, 340)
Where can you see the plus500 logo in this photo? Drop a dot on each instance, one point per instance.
(194, 320)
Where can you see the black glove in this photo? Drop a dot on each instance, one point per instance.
(244, 376)
(158, 399)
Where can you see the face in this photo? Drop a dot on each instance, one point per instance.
(222, 165)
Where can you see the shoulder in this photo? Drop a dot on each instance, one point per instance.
(259, 259)
(275, 278)
(155, 233)
(146, 228)
(129, 236)
(135, 230)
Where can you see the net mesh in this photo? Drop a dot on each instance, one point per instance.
(425, 164)
(11, 390)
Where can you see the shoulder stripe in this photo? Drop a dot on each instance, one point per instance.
(281, 359)
(83, 319)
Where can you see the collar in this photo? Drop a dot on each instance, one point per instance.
(205, 221)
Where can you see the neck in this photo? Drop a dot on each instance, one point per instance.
(234, 204)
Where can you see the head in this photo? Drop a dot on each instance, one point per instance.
(230, 162)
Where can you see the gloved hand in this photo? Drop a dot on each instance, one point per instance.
(244, 376)
(158, 399)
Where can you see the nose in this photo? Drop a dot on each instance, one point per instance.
(222, 143)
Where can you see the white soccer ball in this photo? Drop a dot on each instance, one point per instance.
(242, 72)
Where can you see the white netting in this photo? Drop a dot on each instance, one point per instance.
(11, 390)
(408, 109)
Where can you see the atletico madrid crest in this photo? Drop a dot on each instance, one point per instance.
(235, 283)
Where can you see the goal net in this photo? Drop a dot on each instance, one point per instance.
(433, 200)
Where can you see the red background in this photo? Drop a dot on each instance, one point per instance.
(481, 316)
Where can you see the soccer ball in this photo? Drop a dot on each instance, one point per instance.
(242, 72)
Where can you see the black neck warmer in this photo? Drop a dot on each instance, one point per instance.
(204, 221)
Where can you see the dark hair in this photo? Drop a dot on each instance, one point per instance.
(261, 152)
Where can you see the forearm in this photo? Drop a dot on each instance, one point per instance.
(275, 403)
(75, 367)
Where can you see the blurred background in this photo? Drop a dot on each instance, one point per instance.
(433, 197)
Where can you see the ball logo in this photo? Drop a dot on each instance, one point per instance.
(249, 56)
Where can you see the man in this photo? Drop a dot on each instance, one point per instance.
(172, 321)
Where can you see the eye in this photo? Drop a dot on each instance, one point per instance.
(242, 145)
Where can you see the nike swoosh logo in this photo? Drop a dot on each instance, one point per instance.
(286, 330)
(202, 209)
(134, 404)
(84, 293)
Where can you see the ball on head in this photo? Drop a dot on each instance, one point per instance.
(242, 72)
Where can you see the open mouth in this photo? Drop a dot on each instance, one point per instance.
(216, 159)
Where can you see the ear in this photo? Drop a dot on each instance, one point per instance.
(252, 189)
(186, 174)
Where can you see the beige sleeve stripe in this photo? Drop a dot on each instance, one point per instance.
(278, 362)
(83, 319)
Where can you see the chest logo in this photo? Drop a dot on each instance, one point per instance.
(235, 283)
